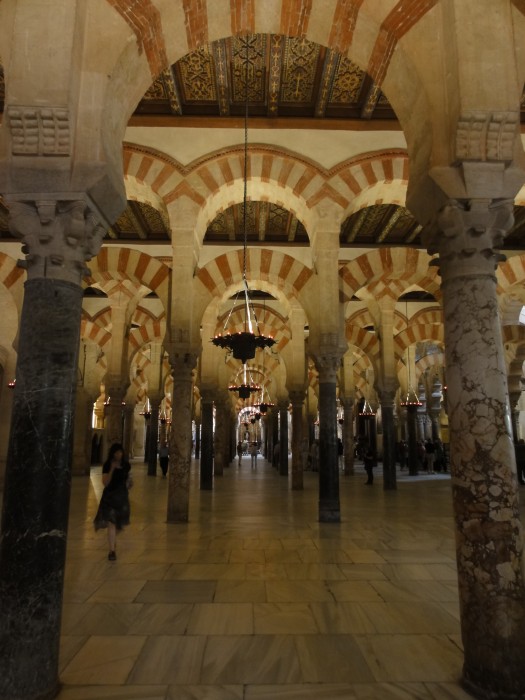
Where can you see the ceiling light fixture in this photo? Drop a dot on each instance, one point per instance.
(244, 343)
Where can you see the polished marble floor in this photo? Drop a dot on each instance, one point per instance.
(254, 599)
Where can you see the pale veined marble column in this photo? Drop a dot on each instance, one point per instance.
(489, 538)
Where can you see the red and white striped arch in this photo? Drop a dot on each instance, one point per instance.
(114, 263)
(368, 32)
(416, 333)
(217, 182)
(278, 269)
(511, 273)
(95, 333)
(435, 359)
(390, 271)
(12, 278)
(152, 330)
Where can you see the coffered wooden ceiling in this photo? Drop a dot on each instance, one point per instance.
(288, 79)
(284, 77)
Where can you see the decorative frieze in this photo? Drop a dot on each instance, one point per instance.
(39, 131)
(485, 136)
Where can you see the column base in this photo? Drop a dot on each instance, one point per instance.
(487, 693)
(329, 513)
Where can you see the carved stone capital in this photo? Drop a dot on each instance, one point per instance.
(182, 362)
(58, 237)
(466, 233)
(327, 362)
(387, 389)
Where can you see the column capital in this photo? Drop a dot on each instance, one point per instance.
(328, 361)
(58, 236)
(387, 389)
(296, 397)
(465, 235)
(182, 362)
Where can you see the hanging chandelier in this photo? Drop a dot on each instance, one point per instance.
(411, 398)
(367, 410)
(243, 344)
(263, 405)
(246, 388)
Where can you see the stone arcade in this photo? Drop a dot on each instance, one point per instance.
(386, 169)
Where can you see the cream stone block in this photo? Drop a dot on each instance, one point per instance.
(103, 660)
(221, 619)
(174, 29)
(169, 659)
(391, 657)
(268, 17)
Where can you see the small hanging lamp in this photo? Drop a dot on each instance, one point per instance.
(246, 388)
(367, 410)
(411, 398)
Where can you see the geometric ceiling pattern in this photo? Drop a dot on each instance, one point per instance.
(286, 77)
(140, 222)
(265, 221)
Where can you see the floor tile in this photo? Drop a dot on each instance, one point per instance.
(103, 661)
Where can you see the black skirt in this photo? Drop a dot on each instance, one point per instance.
(113, 508)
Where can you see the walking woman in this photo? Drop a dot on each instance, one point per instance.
(113, 511)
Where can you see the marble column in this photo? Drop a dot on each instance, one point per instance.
(412, 457)
(58, 237)
(348, 435)
(153, 437)
(182, 364)
(489, 536)
(274, 416)
(297, 400)
(283, 438)
(387, 395)
(114, 414)
(206, 454)
(327, 364)
(197, 439)
(129, 425)
(434, 409)
(220, 441)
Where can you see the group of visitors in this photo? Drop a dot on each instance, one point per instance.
(251, 448)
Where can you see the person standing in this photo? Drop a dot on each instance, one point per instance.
(253, 453)
(430, 455)
(113, 511)
(369, 460)
(239, 451)
(164, 458)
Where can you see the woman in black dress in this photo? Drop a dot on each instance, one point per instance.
(113, 511)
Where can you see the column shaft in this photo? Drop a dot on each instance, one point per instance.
(297, 437)
(180, 439)
(37, 488)
(283, 440)
(207, 444)
(489, 538)
(329, 506)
